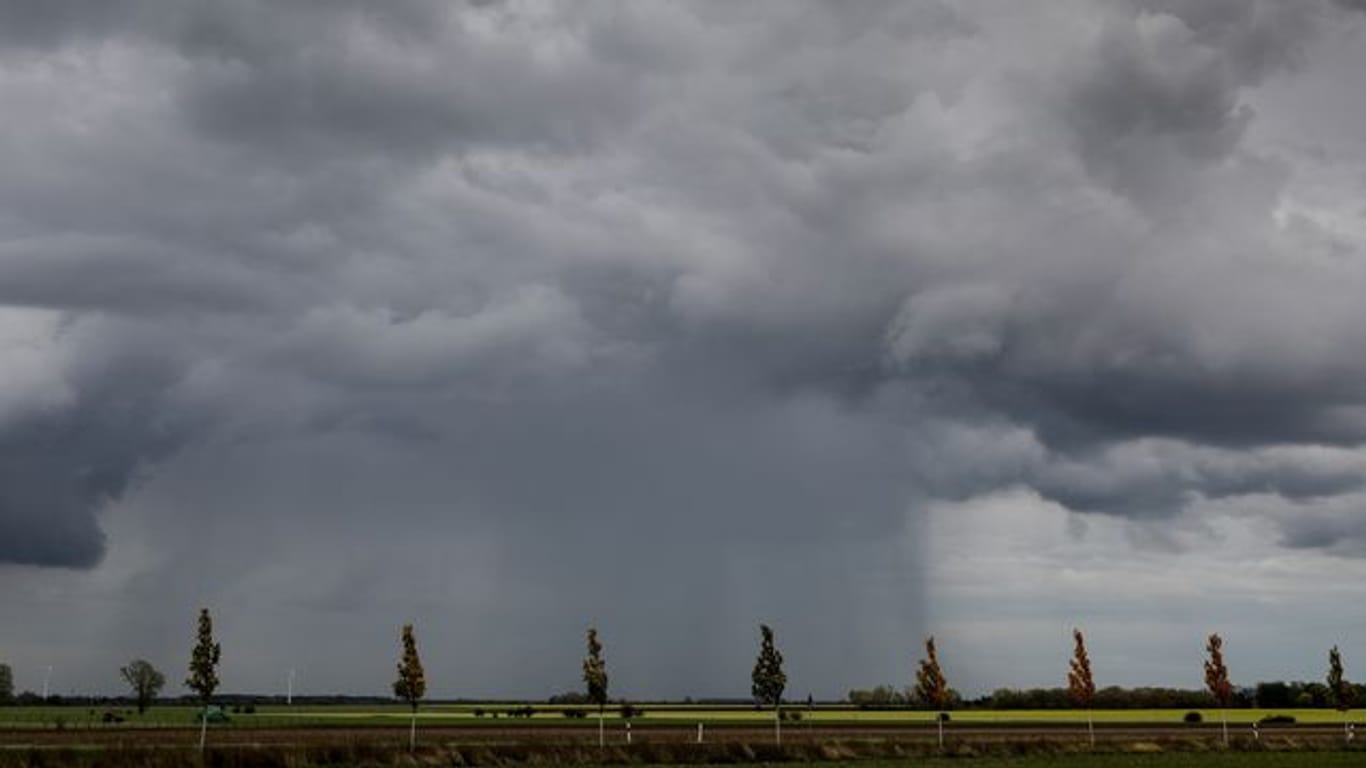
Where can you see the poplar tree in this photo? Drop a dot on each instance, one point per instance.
(203, 679)
(1080, 686)
(1339, 690)
(595, 678)
(768, 679)
(930, 686)
(1216, 678)
(411, 684)
(6, 683)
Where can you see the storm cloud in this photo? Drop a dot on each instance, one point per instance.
(667, 301)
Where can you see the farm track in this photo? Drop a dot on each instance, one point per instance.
(116, 737)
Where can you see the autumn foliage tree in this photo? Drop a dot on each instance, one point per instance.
(768, 679)
(203, 679)
(931, 688)
(411, 684)
(595, 678)
(1216, 678)
(1081, 687)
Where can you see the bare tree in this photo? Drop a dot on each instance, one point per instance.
(1080, 686)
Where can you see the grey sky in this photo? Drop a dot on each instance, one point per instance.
(866, 320)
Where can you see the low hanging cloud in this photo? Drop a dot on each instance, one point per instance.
(76, 429)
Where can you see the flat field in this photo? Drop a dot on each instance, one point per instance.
(497, 715)
(1164, 760)
(832, 737)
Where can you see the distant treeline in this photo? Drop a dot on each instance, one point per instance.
(572, 698)
(1279, 694)
(1113, 697)
(1267, 695)
(29, 698)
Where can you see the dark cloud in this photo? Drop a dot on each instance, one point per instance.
(668, 301)
(62, 466)
(1160, 102)
(32, 24)
(1254, 39)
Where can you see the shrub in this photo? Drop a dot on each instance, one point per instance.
(944, 717)
(577, 714)
(1277, 720)
(1193, 718)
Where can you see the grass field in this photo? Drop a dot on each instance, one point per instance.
(345, 736)
(496, 714)
(1165, 760)
(346, 756)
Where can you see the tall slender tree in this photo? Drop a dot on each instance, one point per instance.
(768, 679)
(203, 679)
(411, 684)
(6, 684)
(1216, 678)
(931, 688)
(1080, 686)
(595, 679)
(1339, 690)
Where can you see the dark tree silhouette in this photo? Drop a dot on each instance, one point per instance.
(145, 680)
(768, 679)
(203, 679)
(411, 684)
(595, 678)
(1340, 692)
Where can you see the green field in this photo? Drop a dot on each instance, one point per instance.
(675, 715)
(1165, 760)
(316, 736)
